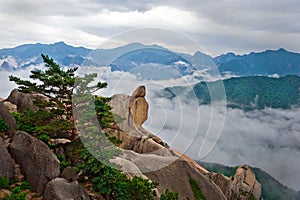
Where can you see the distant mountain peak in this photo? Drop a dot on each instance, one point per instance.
(268, 62)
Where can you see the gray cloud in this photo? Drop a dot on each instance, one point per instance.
(220, 26)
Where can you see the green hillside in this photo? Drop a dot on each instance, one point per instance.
(248, 93)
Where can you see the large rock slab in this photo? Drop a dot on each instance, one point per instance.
(61, 189)
(38, 163)
(171, 173)
(8, 118)
(6, 164)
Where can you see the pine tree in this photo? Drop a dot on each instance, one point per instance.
(57, 84)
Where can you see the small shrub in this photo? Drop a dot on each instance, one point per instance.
(63, 162)
(168, 195)
(25, 185)
(3, 126)
(16, 194)
(45, 138)
(196, 190)
(4, 182)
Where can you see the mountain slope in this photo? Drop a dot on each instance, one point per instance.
(27, 54)
(269, 62)
(253, 92)
(153, 63)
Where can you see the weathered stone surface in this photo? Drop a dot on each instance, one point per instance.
(61, 189)
(25, 100)
(142, 144)
(38, 163)
(139, 110)
(138, 106)
(139, 92)
(6, 163)
(21, 100)
(8, 118)
(171, 173)
(69, 174)
(11, 107)
(245, 182)
(241, 186)
(134, 110)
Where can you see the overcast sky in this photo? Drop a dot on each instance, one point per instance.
(220, 26)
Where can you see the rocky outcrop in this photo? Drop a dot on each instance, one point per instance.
(6, 163)
(25, 100)
(138, 106)
(61, 189)
(147, 156)
(171, 173)
(38, 163)
(8, 118)
(242, 186)
(134, 112)
(139, 144)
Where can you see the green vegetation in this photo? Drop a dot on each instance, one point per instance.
(25, 185)
(111, 183)
(248, 93)
(105, 117)
(196, 190)
(63, 162)
(3, 126)
(4, 182)
(16, 194)
(168, 195)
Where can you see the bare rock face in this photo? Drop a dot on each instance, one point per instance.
(138, 106)
(242, 186)
(61, 189)
(171, 173)
(38, 163)
(134, 110)
(138, 144)
(21, 100)
(8, 118)
(6, 166)
(25, 100)
(245, 181)
(11, 107)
